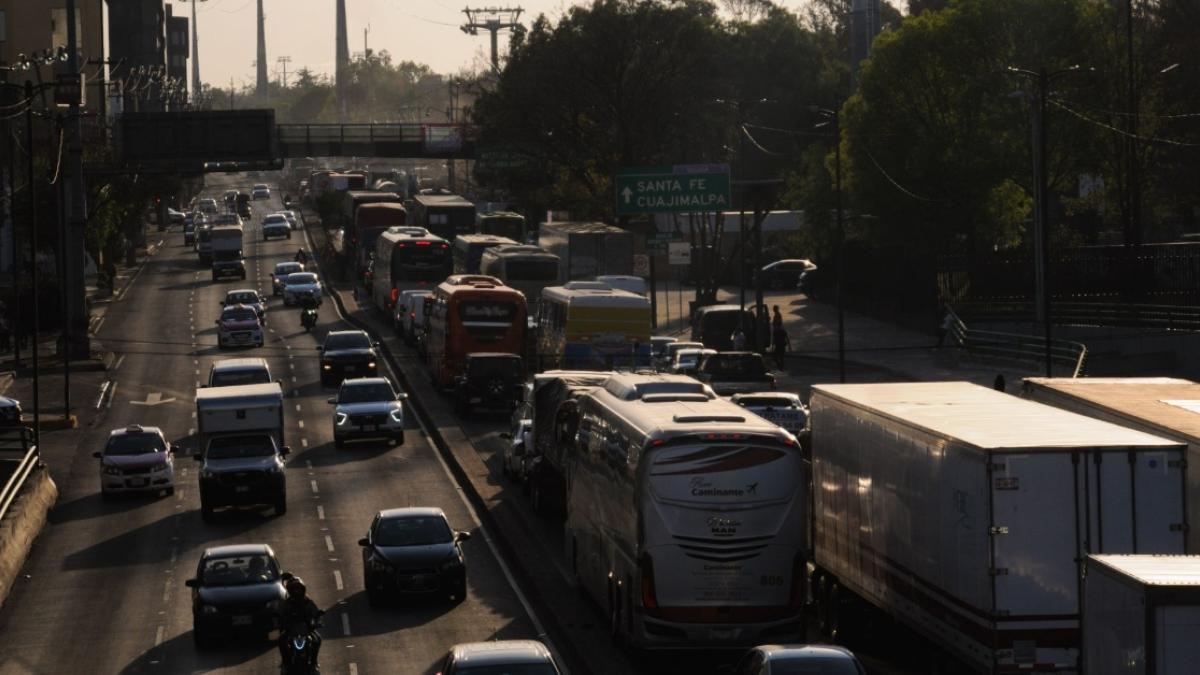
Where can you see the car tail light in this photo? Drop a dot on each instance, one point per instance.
(395, 294)
(649, 596)
(424, 243)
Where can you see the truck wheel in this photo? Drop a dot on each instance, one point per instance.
(835, 611)
(281, 504)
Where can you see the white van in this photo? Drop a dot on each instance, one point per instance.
(409, 313)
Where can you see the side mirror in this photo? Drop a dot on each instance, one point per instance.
(402, 396)
(98, 454)
(217, 322)
(462, 536)
(331, 400)
(286, 576)
(375, 344)
(171, 448)
(192, 583)
(198, 456)
(285, 451)
(364, 542)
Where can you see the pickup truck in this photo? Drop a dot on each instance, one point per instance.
(735, 373)
(240, 447)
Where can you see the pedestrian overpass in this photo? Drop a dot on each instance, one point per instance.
(404, 140)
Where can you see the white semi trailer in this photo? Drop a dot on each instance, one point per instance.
(965, 514)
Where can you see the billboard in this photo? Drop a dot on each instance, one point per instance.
(197, 137)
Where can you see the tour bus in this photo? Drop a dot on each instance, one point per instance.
(502, 224)
(406, 258)
(469, 248)
(527, 268)
(368, 221)
(588, 325)
(686, 516)
(447, 216)
(472, 313)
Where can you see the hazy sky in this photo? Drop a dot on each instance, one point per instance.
(425, 31)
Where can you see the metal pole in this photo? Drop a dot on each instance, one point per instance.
(15, 317)
(1044, 212)
(841, 246)
(64, 295)
(495, 29)
(76, 207)
(1133, 236)
(33, 238)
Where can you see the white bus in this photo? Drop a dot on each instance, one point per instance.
(686, 516)
(526, 268)
(406, 257)
(587, 325)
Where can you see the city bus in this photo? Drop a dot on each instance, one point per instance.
(502, 224)
(362, 230)
(406, 258)
(527, 268)
(468, 250)
(472, 313)
(587, 325)
(687, 516)
(447, 216)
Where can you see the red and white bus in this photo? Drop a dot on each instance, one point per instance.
(472, 313)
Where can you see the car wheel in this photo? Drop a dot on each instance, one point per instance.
(289, 235)
(281, 504)
(535, 497)
(459, 588)
(374, 596)
(214, 277)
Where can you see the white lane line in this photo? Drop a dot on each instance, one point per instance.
(301, 422)
(320, 513)
(96, 328)
(297, 407)
(193, 414)
(315, 489)
(353, 669)
(337, 580)
(103, 391)
(112, 394)
(166, 591)
(117, 365)
(191, 432)
(158, 636)
(293, 378)
(329, 543)
(304, 442)
(345, 624)
(195, 362)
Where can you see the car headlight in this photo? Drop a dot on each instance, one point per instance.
(327, 366)
(208, 609)
(112, 471)
(379, 564)
(455, 561)
(398, 416)
(370, 364)
(342, 418)
(207, 474)
(160, 468)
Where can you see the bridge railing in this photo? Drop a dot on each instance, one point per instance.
(1016, 347)
(20, 454)
(432, 138)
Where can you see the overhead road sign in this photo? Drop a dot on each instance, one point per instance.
(197, 137)
(679, 188)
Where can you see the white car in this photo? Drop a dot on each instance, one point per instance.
(280, 274)
(291, 218)
(782, 408)
(368, 407)
(688, 359)
(136, 459)
(404, 312)
(260, 191)
(239, 325)
(248, 297)
(299, 285)
(519, 442)
(276, 225)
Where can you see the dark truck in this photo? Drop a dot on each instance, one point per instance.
(446, 216)
(490, 380)
(555, 420)
(735, 373)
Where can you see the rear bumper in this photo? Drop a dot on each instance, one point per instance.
(262, 491)
(656, 633)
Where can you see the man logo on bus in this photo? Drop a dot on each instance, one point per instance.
(723, 527)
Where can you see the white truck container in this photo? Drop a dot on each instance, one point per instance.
(965, 513)
(240, 409)
(1141, 615)
(1162, 406)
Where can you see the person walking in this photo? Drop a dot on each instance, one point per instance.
(739, 340)
(781, 345)
(945, 328)
(777, 320)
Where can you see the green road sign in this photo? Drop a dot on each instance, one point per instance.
(683, 187)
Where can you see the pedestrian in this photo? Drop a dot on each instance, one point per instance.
(998, 384)
(781, 344)
(948, 322)
(739, 340)
(777, 320)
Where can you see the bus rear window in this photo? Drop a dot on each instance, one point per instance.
(531, 270)
(486, 319)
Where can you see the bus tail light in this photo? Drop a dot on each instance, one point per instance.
(649, 596)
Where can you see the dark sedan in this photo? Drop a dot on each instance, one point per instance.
(347, 353)
(413, 551)
(236, 592)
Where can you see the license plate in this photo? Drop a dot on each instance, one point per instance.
(243, 620)
(241, 488)
(723, 633)
(139, 482)
(476, 399)
(351, 369)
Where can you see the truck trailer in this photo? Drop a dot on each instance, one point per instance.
(1141, 615)
(1163, 406)
(238, 410)
(965, 514)
(587, 249)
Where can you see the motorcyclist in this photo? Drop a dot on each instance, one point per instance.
(297, 608)
(302, 257)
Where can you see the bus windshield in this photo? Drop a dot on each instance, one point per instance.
(486, 318)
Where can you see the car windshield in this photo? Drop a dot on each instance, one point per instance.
(234, 377)
(300, 278)
(241, 299)
(513, 669)
(749, 365)
(135, 444)
(413, 531)
(274, 219)
(235, 447)
(814, 665)
(347, 341)
(502, 365)
(767, 402)
(239, 570)
(238, 314)
(363, 393)
(284, 269)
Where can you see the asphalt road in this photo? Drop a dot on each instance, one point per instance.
(104, 591)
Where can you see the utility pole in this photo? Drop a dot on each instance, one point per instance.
(366, 49)
(196, 86)
(76, 319)
(493, 20)
(283, 61)
(1133, 231)
(260, 89)
(451, 105)
(33, 238)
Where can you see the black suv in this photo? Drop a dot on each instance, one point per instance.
(242, 469)
(347, 353)
(490, 380)
(735, 373)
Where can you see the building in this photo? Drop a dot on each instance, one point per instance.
(864, 26)
(138, 50)
(178, 45)
(37, 26)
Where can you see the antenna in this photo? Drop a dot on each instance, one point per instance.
(492, 19)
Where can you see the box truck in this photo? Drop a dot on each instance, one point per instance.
(238, 410)
(965, 514)
(587, 249)
(1163, 406)
(1141, 615)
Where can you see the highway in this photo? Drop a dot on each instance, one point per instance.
(104, 591)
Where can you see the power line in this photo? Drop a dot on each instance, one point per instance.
(1122, 132)
(895, 184)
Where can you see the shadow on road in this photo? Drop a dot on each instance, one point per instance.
(180, 655)
(93, 506)
(147, 539)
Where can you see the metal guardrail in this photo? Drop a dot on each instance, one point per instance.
(17, 446)
(1084, 313)
(1018, 347)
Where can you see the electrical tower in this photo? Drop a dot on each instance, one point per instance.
(492, 19)
(261, 89)
(283, 61)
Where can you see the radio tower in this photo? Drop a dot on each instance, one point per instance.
(261, 89)
(493, 20)
(342, 68)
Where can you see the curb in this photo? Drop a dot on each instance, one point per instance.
(23, 524)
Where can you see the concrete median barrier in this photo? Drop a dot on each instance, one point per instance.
(22, 524)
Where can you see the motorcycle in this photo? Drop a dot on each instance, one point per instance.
(308, 318)
(299, 649)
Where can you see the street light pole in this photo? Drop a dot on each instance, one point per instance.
(33, 238)
(841, 246)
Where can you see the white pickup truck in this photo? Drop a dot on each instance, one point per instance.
(240, 447)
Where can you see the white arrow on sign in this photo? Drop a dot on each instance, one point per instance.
(627, 194)
(152, 399)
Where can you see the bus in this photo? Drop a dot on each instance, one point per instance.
(527, 268)
(368, 221)
(502, 224)
(447, 216)
(687, 516)
(587, 325)
(406, 258)
(469, 248)
(472, 313)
